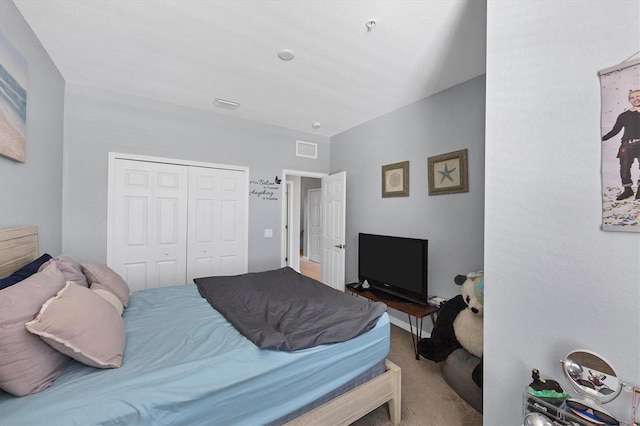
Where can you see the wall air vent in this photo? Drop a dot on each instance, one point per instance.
(306, 149)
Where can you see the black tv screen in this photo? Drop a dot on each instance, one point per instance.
(394, 265)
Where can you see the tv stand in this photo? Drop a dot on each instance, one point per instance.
(412, 309)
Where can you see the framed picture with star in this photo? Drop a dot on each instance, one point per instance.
(395, 180)
(447, 173)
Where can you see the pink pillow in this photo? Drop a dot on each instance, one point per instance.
(71, 269)
(27, 364)
(102, 277)
(81, 324)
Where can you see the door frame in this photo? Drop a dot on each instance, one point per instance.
(288, 235)
(114, 156)
(283, 223)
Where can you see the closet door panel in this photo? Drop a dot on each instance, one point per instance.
(134, 273)
(204, 213)
(136, 212)
(228, 265)
(217, 234)
(150, 212)
(229, 217)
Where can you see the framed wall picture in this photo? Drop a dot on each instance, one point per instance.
(13, 102)
(447, 173)
(395, 180)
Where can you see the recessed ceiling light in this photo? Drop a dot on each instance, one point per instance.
(223, 103)
(286, 54)
(316, 125)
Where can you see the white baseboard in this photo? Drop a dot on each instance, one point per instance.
(405, 325)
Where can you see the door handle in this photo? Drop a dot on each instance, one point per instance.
(341, 246)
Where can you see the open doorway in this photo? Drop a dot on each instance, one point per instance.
(302, 222)
(332, 220)
(311, 230)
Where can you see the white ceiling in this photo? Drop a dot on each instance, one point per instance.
(189, 52)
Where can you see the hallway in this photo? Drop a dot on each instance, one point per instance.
(310, 269)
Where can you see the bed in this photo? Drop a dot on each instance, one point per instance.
(184, 363)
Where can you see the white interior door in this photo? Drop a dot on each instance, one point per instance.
(314, 227)
(217, 236)
(333, 229)
(149, 211)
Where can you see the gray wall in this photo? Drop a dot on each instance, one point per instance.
(31, 192)
(98, 122)
(448, 121)
(555, 281)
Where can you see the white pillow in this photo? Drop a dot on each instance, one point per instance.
(79, 323)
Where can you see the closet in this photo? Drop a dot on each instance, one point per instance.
(172, 221)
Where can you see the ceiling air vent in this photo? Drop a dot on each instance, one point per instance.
(306, 149)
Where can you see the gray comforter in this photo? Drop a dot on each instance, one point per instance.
(286, 311)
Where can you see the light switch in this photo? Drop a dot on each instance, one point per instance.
(268, 233)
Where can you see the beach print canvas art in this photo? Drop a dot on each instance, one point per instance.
(13, 101)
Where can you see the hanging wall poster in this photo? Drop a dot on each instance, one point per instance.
(13, 101)
(620, 134)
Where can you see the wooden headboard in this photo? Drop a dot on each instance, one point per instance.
(18, 246)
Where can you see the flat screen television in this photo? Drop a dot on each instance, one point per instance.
(395, 266)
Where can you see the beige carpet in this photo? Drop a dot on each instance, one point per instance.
(426, 399)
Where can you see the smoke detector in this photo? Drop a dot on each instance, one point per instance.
(286, 54)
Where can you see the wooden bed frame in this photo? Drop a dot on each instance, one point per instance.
(19, 246)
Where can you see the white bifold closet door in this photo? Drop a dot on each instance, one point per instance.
(172, 223)
(216, 231)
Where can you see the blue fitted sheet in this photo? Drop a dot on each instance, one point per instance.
(185, 364)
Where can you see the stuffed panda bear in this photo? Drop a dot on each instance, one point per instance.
(459, 324)
(468, 326)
